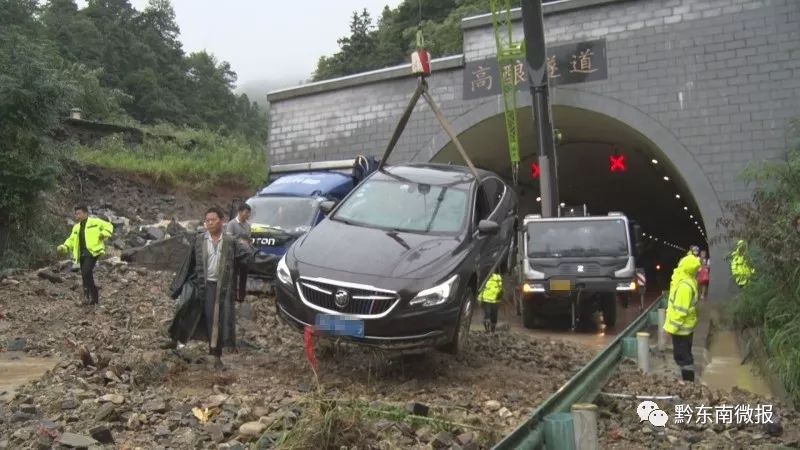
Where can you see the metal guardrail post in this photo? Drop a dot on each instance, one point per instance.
(559, 432)
(584, 386)
(629, 347)
(584, 419)
(662, 335)
(643, 351)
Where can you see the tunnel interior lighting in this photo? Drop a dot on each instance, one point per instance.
(685, 208)
(538, 199)
(654, 161)
(666, 178)
(677, 195)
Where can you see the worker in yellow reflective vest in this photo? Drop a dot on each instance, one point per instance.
(682, 313)
(86, 242)
(490, 298)
(740, 269)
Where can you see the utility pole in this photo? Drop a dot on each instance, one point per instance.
(535, 54)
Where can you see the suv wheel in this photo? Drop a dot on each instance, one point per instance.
(461, 335)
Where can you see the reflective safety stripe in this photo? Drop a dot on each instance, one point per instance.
(693, 302)
(679, 328)
(689, 367)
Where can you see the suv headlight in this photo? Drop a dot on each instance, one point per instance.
(437, 294)
(283, 272)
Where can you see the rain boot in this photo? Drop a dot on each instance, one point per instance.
(486, 325)
(687, 375)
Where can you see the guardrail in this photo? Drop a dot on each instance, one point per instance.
(584, 386)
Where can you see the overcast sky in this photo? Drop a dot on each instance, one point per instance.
(267, 39)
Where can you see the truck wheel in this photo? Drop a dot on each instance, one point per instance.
(459, 342)
(529, 316)
(608, 305)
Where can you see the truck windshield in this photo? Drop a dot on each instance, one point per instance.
(406, 206)
(290, 214)
(579, 238)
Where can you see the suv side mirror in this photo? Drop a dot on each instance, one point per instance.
(488, 227)
(327, 206)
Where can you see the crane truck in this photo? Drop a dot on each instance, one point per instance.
(577, 264)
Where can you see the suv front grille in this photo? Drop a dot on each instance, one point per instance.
(361, 300)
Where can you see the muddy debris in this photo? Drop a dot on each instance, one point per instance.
(113, 387)
(717, 419)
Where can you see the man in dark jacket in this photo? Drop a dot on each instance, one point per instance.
(205, 284)
(239, 228)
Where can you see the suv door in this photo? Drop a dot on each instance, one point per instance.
(500, 198)
(486, 203)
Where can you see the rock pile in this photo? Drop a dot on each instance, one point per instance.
(114, 388)
(711, 423)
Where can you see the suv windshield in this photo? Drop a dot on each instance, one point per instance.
(290, 214)
(577, 238)
(406, 206)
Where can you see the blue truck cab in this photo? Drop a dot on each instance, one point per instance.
(292, 204)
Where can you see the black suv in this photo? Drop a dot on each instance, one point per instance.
(398, 262)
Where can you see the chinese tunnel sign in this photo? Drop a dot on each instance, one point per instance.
(566, 64)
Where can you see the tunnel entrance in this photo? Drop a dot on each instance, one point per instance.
(644, 183)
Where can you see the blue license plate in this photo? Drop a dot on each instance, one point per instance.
(340, 325)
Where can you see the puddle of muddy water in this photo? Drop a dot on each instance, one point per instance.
(726, 370)
(16, 370)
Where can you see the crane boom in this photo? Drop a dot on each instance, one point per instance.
(509, 53)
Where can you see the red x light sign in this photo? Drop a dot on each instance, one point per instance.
(617, 163)
(535, 171)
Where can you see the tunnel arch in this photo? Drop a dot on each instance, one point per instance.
(673, 153)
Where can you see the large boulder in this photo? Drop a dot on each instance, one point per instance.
(166, 254)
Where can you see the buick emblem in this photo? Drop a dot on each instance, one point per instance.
(341, 298)
(580, 268)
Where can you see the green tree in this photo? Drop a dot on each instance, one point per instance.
(213, 103)
(33, 92)
(141, 65)
(356, 51)
(770, 303)
(395, 37)
(74, 34)
(252, 120)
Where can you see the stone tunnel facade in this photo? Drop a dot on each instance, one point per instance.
(713, 83)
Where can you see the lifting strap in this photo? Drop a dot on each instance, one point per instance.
(422, 91)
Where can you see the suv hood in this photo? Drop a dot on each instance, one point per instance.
(370, 251)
